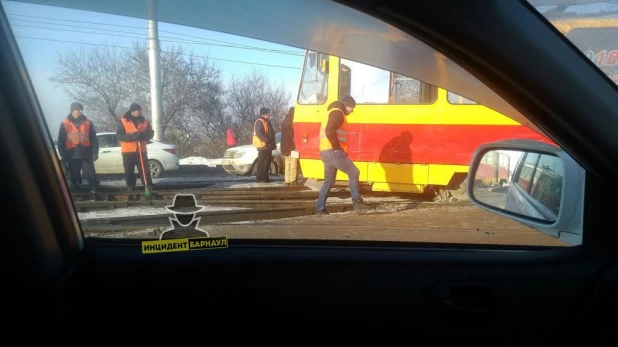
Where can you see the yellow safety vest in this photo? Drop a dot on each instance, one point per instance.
(257, 142)
(342, 133)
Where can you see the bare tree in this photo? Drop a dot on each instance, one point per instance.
(197, 109)
(247, 94)
(185, 78)
(98, 79)
(187, 135)
(278, 100)
(107, 81)
(214, 121)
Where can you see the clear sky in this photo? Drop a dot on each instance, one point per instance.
(44, 32)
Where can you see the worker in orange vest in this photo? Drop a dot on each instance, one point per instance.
(78, 148)
(134, 128)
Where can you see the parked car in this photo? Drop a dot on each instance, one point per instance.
(161, 156)
(241, 160)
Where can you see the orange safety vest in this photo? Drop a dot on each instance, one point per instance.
(131, 146)
(342, 133)
(257, 142)
(76, 137)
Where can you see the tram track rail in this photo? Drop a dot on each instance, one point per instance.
(234, 205)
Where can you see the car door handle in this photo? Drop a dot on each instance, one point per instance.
(449, 304)
(106, 152)
(464, 302)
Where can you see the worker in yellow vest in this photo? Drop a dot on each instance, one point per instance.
(264, 141)
(334, 153)
(134, 132)
(78, 148)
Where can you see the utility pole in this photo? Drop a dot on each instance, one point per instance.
(155, 79)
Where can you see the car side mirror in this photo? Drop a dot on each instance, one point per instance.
(532, 182)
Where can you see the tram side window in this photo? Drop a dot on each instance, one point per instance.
(371, 85)
(314, 83)
(458, 99)
(409, 91)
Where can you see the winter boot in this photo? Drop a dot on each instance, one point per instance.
(360, 205)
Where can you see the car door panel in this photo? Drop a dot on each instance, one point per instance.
(426, 290)
(105, 163)
(116, 154)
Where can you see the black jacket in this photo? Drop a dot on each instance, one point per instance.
(335, 119)
(287, 135)
(79, 152)
(268, 138)
(140, 136)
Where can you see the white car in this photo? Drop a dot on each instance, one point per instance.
(161, 156)
(241, 160)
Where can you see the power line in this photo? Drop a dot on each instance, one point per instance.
(201, 42)
(174, 40)
(136, 27)
(189, 55)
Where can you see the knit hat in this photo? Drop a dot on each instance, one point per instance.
(264, 111)
(76, 106)
(348, 101)
(135, 107)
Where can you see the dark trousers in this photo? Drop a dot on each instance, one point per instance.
(263, 165)
(130, 161)
(75, 172)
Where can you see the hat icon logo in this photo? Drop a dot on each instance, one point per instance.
(185, 221)
(185, 204)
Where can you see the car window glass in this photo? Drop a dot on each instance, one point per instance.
(105, 141)
(592, 26)
(411, 135)
(314, 82)
(526, 172)
(547, 182)
(371, 85)
(458, 99)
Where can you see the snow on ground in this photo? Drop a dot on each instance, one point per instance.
(142, 211)
(250, 184)
(149, 233)
(229, 181)
(175, 180)
(369, 199)
(202, 179)
(200, 161)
